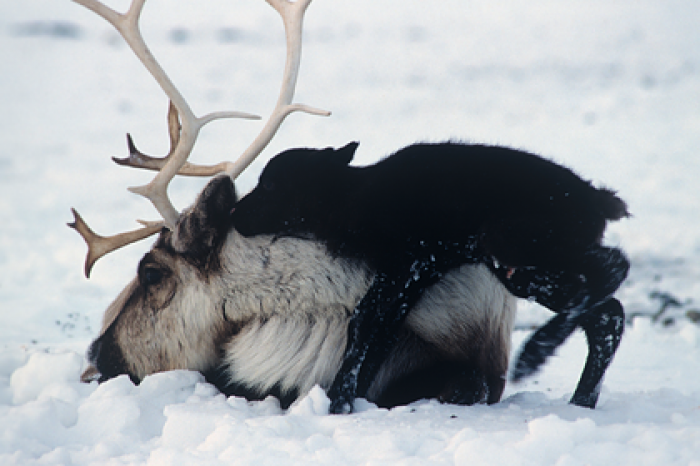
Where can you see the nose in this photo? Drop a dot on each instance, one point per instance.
(106, 360)
(90, 374)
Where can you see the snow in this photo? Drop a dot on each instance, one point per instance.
(609, 88)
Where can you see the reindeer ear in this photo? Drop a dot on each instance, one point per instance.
(202, 229)
(345, 154)
(216, 201)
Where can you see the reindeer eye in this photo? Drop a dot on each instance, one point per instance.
(152, 276)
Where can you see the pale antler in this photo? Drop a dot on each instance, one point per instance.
(127, 25)
(138, 159)
(183, 136)
(292, 14)
(98, 245)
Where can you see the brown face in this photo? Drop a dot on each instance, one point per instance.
(164, 319)
(169, 316)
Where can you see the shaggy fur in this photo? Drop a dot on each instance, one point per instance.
(431, 207)
(263, 316)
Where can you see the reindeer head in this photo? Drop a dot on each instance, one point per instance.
(162, 320)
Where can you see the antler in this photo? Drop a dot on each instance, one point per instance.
(292, 14)
(138, 159)
(98, 245)
(183, 134)
(127, 25)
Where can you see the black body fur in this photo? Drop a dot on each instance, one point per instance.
(431, 207)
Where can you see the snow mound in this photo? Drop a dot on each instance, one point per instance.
(177, 418)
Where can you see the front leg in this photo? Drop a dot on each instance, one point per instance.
(374, 329)
(362, 331)
(378, 318)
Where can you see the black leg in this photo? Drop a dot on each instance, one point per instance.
(581, 298)
(378, 318)
(374, 330)
(604, 271)
(541, 345)
(555, 290)
(362, 332)
(603, 328)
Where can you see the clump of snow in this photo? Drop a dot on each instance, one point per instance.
(316, 403)
(609, 88)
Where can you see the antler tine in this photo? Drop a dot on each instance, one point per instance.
(138, 159)
(292, 14)
(127, 25)
(98, 245)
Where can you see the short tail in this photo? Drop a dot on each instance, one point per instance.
(611, 206)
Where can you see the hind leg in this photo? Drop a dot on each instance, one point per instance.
(576, 297)
(420, 370)
(469, 384)
(563, 293)
(588, 280)
(603, 328)
(571, 294)
(464, 372)
(541, 345)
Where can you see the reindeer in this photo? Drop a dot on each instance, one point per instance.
(267, 315)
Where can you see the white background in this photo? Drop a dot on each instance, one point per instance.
(609, 88)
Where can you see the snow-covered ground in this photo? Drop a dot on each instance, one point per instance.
(608, 87)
